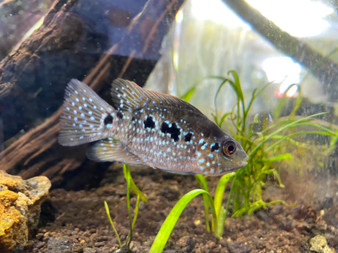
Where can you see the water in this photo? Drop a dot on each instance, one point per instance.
(98, 41)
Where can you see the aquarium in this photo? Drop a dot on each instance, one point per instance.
(168, 126)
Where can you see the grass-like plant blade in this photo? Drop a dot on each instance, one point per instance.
(286, 122)
(126, 171)
(277, 158)
(112, 223)
(171, 220)
(220, 223)
(276, 174)
(136, 211)
(298, 102)
(132, 186)
(220, 123)
(220, 191)
(236, 85)
(216, 96)
(318, 125)
(187, 96)
(291, 140)
(287, 126)
(254, 95)
(218, 203)
(203, 184)
(255, 206)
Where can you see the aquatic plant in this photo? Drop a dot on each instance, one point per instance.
(264, 149)
(132, 220)
(216, 209)
(264, 146)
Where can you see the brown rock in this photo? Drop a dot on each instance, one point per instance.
(319, 245)
(20, 202)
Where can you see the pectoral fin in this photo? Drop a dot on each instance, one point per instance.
(109, 150)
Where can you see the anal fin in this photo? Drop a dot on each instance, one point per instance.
(179, 172)
(109, 150)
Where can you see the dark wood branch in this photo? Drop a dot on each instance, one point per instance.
(325, 70)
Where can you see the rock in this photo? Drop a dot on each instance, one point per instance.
(89, 250)
(262, 215)
(186, 243)
(20, 203)
(327, 202)
(239, 247)
(319, 245)
(171, 193)
(59, 244)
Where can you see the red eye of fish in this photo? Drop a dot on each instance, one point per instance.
(229, 148)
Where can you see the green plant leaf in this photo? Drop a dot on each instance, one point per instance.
(220, 223)
(220, 123)
(277, 158)
(112, 224)
(203, 184)
(215, 99)
(218, 199)
(136, 211)
(276, 174)
(171, 220)
(287, 126)
(219, 218)
(236, 85)
(187, 96)
(132, 186)
(127, 176)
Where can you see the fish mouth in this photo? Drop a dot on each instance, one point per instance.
(243, 164)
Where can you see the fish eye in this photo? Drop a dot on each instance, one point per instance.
(229, 148)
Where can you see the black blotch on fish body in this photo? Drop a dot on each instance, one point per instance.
(149, 122)
(119, 115)
(108, 119)
(214, 147)
(187, 137)
(164, 128)
(173, 130)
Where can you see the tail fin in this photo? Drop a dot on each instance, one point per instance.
(84, 116)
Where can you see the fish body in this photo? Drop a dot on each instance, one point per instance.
(145, 127)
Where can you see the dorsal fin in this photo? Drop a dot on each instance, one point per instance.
(127, 96)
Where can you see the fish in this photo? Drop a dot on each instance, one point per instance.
(145, 127)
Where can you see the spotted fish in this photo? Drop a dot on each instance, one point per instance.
(146, 127)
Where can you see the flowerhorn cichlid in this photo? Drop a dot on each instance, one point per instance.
(149, 128)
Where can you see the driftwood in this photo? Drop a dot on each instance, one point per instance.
(325, 70)
(17, 18)
(37, 152)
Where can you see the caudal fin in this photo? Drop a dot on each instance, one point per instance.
(86, 117)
